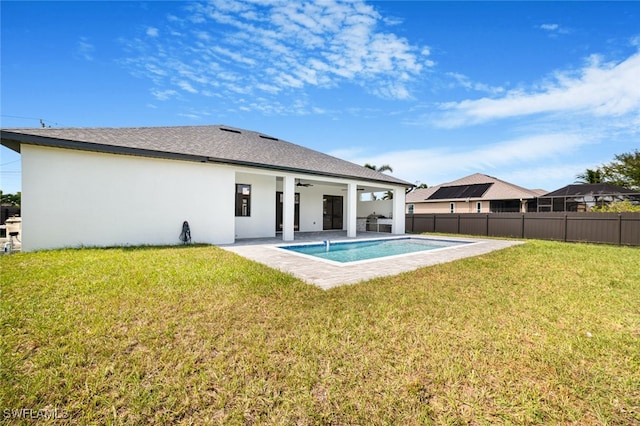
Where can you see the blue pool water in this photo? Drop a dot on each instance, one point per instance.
(353, 251)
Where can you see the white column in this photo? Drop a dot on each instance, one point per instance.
(352, 209)
(398, 226)
(288, 207)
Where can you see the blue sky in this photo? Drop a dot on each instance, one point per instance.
(529, 92)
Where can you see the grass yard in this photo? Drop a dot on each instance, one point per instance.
(542, 333)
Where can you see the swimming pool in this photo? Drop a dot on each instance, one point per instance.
(354, 251)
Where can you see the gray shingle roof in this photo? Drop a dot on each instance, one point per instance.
(219, 143)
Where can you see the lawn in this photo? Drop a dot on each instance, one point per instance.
(541, 333)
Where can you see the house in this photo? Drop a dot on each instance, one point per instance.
(582, 197)
(477, 193)
(133, 186)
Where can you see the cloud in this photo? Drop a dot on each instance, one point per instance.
(597, 90)
(466, 83)
(443, 164)
(163, 95)
(549, 27)
(277, 47)
(186, 86)
(84, 49)
(554, 29)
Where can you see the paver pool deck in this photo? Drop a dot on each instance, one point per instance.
(327, 275)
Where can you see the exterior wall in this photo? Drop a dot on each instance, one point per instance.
(262, 222)
(76, 198)
(383, 207)
(311, 205)
(444, 207)
(460, 207)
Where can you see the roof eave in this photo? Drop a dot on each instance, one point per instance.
(16, 139)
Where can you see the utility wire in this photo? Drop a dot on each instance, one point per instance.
(42, 121)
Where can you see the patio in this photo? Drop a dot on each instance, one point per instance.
(327, 276)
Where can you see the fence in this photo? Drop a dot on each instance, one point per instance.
(608, 228)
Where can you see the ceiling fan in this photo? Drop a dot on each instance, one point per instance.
(303, 184)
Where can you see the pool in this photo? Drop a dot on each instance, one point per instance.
(355, 251)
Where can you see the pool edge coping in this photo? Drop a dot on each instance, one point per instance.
(279, 247)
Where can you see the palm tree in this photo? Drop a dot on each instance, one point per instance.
(383, 168)
(590, 176)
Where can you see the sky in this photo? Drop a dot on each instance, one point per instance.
(533, 93)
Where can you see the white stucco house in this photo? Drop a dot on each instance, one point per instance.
(133, 186)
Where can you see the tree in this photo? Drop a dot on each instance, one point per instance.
(617, 207)
(11, 199)
(383, 168)
(624, 170)
(590, 176)
(418, 186)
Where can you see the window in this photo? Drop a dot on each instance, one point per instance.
(479, 207)
(452, 207)
(411, 208)
(243, 200)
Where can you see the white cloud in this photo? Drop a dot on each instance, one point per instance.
(84, 49)
(434, 166)
(163, 95)
(554, 29)
(549, 27)
(597, 90)
(466, 83)
(278, 46)
(186, 86)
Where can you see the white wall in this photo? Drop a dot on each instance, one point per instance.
(311, 205)
(383, 207)
(75, 198)
(262, 222)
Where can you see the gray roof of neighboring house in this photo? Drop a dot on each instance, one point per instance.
(589, 189)
(217, 144)
(476, 186)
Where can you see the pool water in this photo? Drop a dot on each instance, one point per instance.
(353, 251)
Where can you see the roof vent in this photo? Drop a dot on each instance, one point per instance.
(268, 137)
(230, 130)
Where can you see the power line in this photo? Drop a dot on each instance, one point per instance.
(42, 121)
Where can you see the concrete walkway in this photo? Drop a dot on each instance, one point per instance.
(327, 275)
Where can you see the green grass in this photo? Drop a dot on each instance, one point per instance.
(542, 333)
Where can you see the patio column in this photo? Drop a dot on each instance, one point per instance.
(352, 209)
(288, 208)
(398, 226)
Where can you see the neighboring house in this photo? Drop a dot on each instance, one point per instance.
(582, 197)
(7, 211)
(476, 193)
(132, 186)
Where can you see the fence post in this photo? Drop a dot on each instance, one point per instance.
(458, 223)
(522, 227)
(434, 222)
(565, 227)
(487, 224)
(619, 229)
